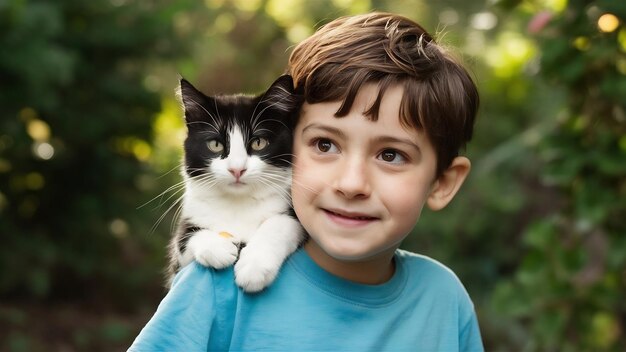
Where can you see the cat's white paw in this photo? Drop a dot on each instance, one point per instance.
(256, 269)
(213, 250)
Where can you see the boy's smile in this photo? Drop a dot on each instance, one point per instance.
(359, 185)
(349, 218)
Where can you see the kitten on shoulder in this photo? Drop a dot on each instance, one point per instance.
(237, 172)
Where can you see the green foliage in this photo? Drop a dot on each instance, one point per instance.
(570, 287)
(75, 116)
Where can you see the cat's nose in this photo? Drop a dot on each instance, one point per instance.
(237, 173)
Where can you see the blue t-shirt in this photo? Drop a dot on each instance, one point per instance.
(423, 307)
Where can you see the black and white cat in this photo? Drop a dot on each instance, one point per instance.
(237, 174)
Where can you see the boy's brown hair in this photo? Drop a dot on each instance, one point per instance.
(439, 95)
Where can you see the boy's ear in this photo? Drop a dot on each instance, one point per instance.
(446, 186)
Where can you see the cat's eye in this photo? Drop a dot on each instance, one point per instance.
(215, 146)
(259, 143)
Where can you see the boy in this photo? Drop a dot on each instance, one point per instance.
(378, 136)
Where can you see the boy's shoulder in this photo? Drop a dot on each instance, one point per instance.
(425, 271)
(423, 262)
(196, 277)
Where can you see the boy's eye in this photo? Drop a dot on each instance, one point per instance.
(325, 146)
(259, 143)
(215, 146)
(391, 156)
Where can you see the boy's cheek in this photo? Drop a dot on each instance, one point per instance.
(302, 178)
(407, 200)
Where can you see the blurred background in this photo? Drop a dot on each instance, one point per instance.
(90, 146)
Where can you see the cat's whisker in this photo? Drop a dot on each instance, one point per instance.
(199, 177)
(174, 194)
(217, 110)
(281, 191)
(162, 217)
(177, 167)
(175, 188)
(305, 186)
(201, 123)
(255, 117)
(255, 122)
(279, 156)
(290, 161)
(295, 180)
(280, 102)
(276, 179)
(263, 130)
(214, 128)
(276, 172)
(207, 182)
(176, 217)
(196, 168)
(255, 126)
(279, 178)
(207, 112)
(274, 120)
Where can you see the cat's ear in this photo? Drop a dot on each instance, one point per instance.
(193, 101)
(282, 96)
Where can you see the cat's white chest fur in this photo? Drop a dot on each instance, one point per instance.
(239, 216)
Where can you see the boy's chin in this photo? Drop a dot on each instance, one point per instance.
(357, 255)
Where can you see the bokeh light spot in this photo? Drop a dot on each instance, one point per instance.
(621, 39)
(608, 23)
(44, 151)
(298, 32)
(38, 130)
(224, 23)
(142, 150)
(484, 21)
(27, 114)
(34, 181)
(247, 5)
(448, 17)
(582, 43)
(214, 4)
(119, 228)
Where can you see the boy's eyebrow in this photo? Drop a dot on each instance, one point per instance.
(406, 141)
(329, 129)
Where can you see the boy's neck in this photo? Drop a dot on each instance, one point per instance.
(373, 271)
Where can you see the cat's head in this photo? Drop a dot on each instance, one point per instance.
(240, 144)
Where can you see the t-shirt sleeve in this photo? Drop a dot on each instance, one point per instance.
(184, 317)
(469, 335)
(469, 331)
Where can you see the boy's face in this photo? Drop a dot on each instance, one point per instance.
(359, 185)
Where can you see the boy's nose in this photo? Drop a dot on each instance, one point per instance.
(352, 180)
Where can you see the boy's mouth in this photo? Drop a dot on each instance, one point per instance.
(346, 217)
